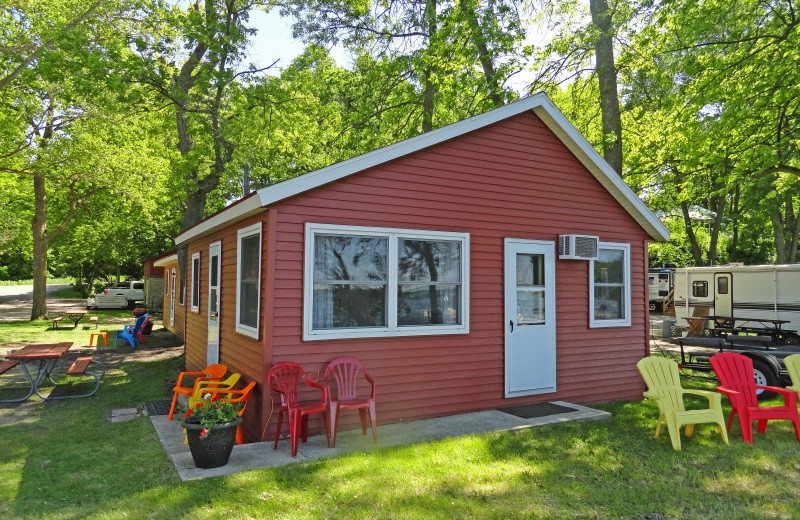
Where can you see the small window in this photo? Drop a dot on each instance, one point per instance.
(195, 306)
(609, 297)
(248, 280)
(722, 285)
(367, 282)
(699, 288)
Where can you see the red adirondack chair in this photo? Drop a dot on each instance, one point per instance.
(735, 372)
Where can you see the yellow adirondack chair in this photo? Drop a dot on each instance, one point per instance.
(205, 387)
(792, 364)
(664, 387)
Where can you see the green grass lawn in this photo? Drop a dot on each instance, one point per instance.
(18, 333)
(69, 463)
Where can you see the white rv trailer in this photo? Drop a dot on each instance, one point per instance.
(660, 283)
(761, 299)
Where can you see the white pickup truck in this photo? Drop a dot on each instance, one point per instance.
(119, 295)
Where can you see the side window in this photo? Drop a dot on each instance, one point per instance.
(610, 286)
(248, 280)
(195, 304)
(699, 288)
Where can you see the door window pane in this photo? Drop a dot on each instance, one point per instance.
(722, 285)
(530, 289)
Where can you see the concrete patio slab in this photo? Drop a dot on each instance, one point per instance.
(261, 455)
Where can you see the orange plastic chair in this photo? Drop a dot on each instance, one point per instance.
(283, 379)
(735, 372)
(237, 396)
(346, 372)
(213, 372)
(664, 387)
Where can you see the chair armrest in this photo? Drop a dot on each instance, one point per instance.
(789, 396)
(204, 377)
(321, 386)
(713, 397)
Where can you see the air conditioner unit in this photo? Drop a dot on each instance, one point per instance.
(577, 247)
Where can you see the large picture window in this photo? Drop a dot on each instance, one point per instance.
(195, 303)
(374, 282)
(248, 280)
(610, 294)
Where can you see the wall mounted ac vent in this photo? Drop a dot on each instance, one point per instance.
(577, 247)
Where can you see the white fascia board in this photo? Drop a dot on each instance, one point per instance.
(167, 260)
(602, 171)
(337, 171)
(234, 213)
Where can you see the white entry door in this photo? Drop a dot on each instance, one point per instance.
(214, 272)
(723, 296)
(530, 317)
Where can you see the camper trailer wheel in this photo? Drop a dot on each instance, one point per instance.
(764, 376)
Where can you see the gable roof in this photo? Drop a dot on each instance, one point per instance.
(540, 104)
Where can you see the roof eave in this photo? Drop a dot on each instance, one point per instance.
(232, 214)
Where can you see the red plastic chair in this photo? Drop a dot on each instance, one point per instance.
(735, 372)
(213, 372)
(283, 379)
(345, 371)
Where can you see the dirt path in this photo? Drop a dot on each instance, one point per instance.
(16, 302)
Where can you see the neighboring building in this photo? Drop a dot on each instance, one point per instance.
(174, 310)
(153, 284)
(436, 261)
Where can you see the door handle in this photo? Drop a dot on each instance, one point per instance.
(511, 322)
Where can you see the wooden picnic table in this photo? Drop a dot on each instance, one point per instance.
(42, 359)
(75, 315)
(38, 358)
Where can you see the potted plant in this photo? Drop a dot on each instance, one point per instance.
(211, 430)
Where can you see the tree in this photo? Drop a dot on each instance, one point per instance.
(58, 76)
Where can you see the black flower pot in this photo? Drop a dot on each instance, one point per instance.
(215, 449)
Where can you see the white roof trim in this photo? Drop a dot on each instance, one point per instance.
(167, 260)
(234, 213)
(539, 103)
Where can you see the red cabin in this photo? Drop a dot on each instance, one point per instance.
(493, 262)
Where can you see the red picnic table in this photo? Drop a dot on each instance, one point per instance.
(42, 359)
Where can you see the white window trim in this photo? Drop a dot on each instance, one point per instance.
(195, 277)
(393, 330)
(241, 328)
(626, 322)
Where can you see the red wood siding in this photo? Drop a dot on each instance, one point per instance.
(240, 353)
(513, 179)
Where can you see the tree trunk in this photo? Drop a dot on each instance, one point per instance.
(779, 237)
(695, 247)
(429, 89)
(40, 242)
(479, 41)
(607, 83)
